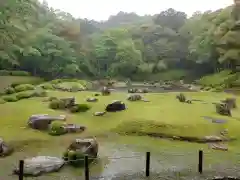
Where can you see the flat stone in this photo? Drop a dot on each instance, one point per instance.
(41, 164)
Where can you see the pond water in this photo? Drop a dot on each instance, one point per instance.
(124, 158)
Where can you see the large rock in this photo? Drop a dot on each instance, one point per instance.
(92, 99)
(87, 146)
(73, 128)
(99, 113)
(135, 97)
(41, 164)
(5, 149)
(68, 102)
(42, 121)
(115, 106)
(79, 148)
(105, 91)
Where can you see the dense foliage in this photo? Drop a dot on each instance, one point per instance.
(52, 44)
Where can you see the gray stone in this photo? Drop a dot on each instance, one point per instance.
(41, 164)
(5, 149)
(92, 99)
(99, 113)
(42, 121)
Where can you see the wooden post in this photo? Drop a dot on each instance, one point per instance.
(86, 168)
(21, 169)
(200, 161)
(147, 164)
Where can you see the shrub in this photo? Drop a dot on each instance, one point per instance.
(24, 87)
(9, 90)
(2, 101)
(13, 85)
(47, 86)
(39, 93)
(181, 97)
(24, 95)
(75, 158)
(13, 73)
(79, 108)
(4, 73)
(56, 81)
(19, 73)
(223, 109)
(10, 98)
(57, 128)
(52, 98)
(57, 104)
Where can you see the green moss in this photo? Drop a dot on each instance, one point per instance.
(24, 87)
(57, 128)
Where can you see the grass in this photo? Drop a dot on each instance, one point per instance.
(8, 80)
(162, 114)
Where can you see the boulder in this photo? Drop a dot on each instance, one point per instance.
(87, 146)
(99, 113)
(134, 97)
(213, 138)
(92, 99)
(105, 91)
(115, 106)
(42, 121)
(223, 109)
(221, 147)
(231, 102)
(133, 90)
(5, 149)
(73, 128)
(68, 102)
(79, 148)
(39, 165)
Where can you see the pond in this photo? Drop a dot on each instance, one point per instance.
(124, 158)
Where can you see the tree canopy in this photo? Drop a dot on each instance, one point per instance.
(51, 43)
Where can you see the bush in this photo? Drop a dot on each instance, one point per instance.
(57, 104)
(20, 73)
(15, 84)
(56, 81)
(47, 86)
(57, 128)
(24, 87)
(80, 108)
(4, 73)
(9, 90)
(39, 93)
(52, 98)
(10, 98)
(2, 101)
(24, 95)
(13, 73)
(181, 97)
(75, 158)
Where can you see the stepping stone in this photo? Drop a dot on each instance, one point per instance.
(218, 146)
(214, 120)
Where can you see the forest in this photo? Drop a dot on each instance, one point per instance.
(53, 44)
